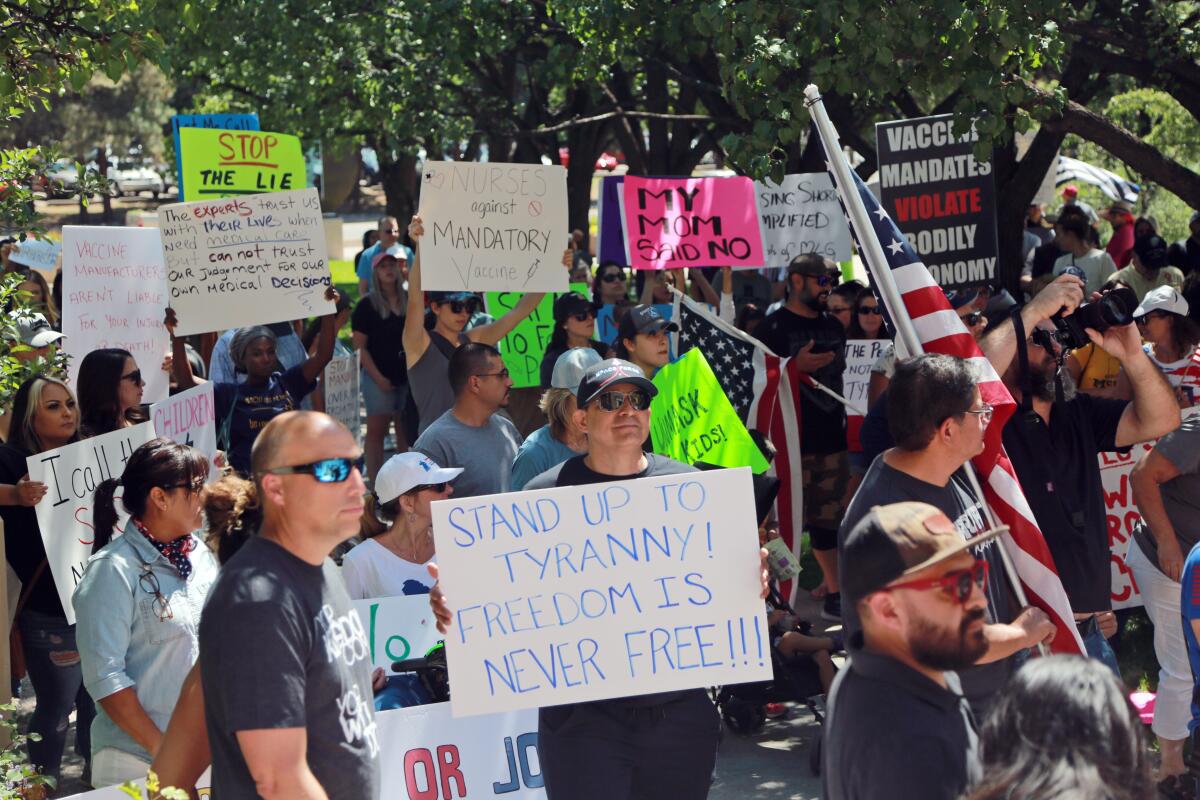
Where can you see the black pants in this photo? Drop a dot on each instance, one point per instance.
(613, 751)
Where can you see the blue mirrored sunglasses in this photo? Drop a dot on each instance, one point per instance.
(327, 470)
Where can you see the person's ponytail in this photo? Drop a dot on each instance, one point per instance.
(234, 515)
(104, 513)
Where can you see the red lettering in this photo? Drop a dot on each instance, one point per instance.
(1120, 497)
(448, 763)
(413, 758)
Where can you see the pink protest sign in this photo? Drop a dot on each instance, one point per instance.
(691, 222)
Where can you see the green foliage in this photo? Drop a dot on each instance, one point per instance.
(18, 779)
(22, 174)
(153, 790)
(14, 370)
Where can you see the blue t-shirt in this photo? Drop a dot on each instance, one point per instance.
(538, 453)
(363, 268)
(1189, 606)
(254, 406)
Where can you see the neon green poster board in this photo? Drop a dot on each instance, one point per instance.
(219, 163)
(691, 419)
(522, 349)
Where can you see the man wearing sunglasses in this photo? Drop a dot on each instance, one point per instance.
(898, 724)
(284, 659)
(389, 239)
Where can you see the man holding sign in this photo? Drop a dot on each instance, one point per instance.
(656, 745)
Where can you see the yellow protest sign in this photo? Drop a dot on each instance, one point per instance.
(218, 163)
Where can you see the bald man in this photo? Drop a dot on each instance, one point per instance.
(284, 658)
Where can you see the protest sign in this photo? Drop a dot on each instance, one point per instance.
(114, 288)
(1121, 517)
(606, 323)
(861, 355)
(190, 418)
(40, 254)
(691, 222)
(398, 628)
(610, 222)
(941, 197)
(222, 122)
(64, 515)
(340, 383)
(218, 163)
(250, 260)
(583, 593)
(692, 420)
(493, 227)
(801, 215)
(523, 348)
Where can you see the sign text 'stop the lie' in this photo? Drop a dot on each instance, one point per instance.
(219, 163)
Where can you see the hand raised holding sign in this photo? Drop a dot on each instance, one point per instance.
(29, 493)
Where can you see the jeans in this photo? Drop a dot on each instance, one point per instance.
(53, 663)
(1097, 646)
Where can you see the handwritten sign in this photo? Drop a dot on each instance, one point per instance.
(691, 222)
(801, 215)
(64, 515)
(523, 348)
(229, 163)
(583, 593)
(220, 122)
(190, 418)
(493, 227)
(114, 292)
(398, 628)
(1121, 517)
(861, 355)
(41, 254)
(342, 398)
(249, 260)
(691, 418)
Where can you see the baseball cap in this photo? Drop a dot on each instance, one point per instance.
(643, 319)
(571, 366)
(897, 540)
(449, 297)
(960, 297)
(607, 373)
(34, 330)
(1122, 205)
(1164, 298)
(571, 303)
(1070, 190)
(395, 251)
(810, 264)
(406, 471)
(1151, 251)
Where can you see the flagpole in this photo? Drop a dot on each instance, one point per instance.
(882, 277)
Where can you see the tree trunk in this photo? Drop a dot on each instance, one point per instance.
(399, 181)
(106, 198)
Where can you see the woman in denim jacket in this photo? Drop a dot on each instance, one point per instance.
(138, 604)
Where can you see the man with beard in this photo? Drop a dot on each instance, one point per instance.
(898, 725)
(1054, 444)
(804, 331)
(471, 435)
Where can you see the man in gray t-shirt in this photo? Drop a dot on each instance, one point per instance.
(471, 434)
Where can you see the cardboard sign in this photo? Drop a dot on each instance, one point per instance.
(398, 628)
(114, 288)
(941, 198)
(801, 215)
(493, 227)
(583, 593)
(190, 418)
(1121, 517)
(523, 348)
(64, 515)
(40, 254)
(342, 398)
(606, 324)
(861, 355)
(249, 260)
(691, 419)
(219, 163)
(691, 222)
(221, 122)
(610, 221)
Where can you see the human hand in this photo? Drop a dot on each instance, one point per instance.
(1170, 559)
(764, 575)
(1061, 296)
(30, 493)
(379, 679)
(1038, 627)
(437, 602)
(332, 294)
(1122, 342)
(808, 361)
(568, 258)
(416, 229)
(383, 383)
(168, 363)
(170, 321)
(1107, 621)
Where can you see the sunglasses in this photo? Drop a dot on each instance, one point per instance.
(437, 488)
(135, 376)
(958, 584)
(870, 310)
(459, 306)
(638, 399)
(148, 582)
(192, 488)
(583, 316)
(972, 319)
(327, 470)
(824, 280)
(613, 277)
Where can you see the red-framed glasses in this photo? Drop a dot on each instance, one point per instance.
(957, 584)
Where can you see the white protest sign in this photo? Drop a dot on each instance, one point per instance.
(493, 227)
(190, 418)
(254, 259)
(36, 254)
(1121, 517)
(801, 215)
(583, 593)
(114, 293)
(64, 515)
(861, 355)
(340, 382)
(398, 628)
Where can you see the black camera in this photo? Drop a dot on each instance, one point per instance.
(1114, 307)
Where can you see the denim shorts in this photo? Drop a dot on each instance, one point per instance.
(377, 401)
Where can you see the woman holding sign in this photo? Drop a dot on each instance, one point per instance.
(44, 418)
(244, 409)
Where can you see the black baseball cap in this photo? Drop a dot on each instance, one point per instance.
(449, 297)
(810, 264)
(571, 303)
(900, 539)
(1151, 251)
(609, 373)
(643, 319)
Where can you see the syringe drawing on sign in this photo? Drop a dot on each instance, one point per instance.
(532, 269)
(459, 270)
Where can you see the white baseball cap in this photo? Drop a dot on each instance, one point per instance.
(570, 366)
(33, 329)
(1164, 298)
(406, 471)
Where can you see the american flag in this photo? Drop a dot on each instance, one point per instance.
(941, 331)
(763, 388)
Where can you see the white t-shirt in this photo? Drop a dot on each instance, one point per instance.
(1097, 265)
(371, 570)
(1182, 374)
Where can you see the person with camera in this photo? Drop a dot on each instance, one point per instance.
(1055, 438)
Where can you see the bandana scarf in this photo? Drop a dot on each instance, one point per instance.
(176, 551)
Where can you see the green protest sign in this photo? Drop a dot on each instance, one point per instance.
(692, 420)
(217, 163)
(523, 348)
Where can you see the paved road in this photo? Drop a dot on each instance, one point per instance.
(772, 765)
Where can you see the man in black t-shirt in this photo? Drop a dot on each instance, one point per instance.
(284, 658)
(631, 748)
(803, 331)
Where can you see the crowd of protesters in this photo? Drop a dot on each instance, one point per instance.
(198, 621)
